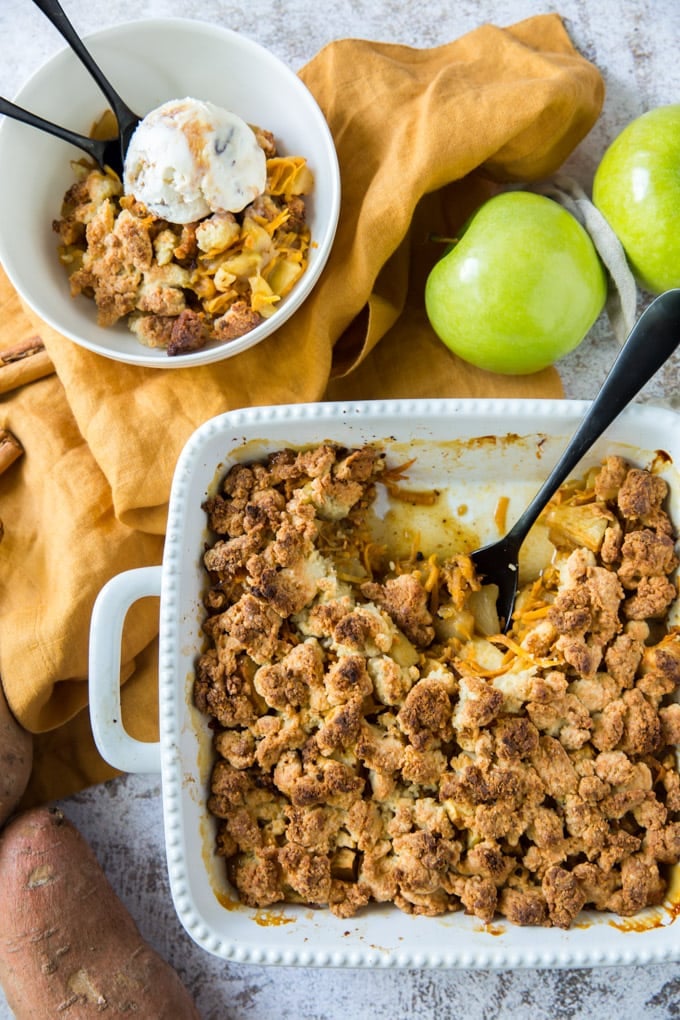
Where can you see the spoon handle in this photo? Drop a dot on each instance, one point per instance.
(52, 9)
(650, 343)
(89, 145)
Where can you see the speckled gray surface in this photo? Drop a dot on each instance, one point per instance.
(634, 43)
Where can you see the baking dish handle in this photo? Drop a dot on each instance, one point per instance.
(113, 741)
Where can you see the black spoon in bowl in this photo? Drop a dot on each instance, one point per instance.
(105, 153)
(111, 153)
(127, 119)
(650, 343)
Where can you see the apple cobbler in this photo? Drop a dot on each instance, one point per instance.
(378, 739)
(179, 287)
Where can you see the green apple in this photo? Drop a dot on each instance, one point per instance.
(637, 189)
(520, 288)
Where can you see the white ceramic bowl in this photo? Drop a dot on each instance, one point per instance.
(445, 437)
(148, 62)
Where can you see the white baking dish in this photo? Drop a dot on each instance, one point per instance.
(479, 450)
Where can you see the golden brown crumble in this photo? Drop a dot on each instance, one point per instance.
(179, 287)
(373, 745)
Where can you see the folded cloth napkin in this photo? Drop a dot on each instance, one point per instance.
(623, 294)
(423, 136)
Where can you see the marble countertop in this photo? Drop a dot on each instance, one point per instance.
(634, 44)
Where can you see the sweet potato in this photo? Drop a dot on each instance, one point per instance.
(16, 759)
(68, 946)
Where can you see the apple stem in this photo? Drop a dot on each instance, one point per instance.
(440, 239)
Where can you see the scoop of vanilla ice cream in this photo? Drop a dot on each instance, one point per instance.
(188, 158)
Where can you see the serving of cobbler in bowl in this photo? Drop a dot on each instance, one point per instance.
(220, 224)
(360, 766)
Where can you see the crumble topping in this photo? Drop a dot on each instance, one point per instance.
(374, 743)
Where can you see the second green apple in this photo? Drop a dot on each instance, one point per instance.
(637, 189)
(520, 288)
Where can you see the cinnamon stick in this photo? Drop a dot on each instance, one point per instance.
(23, 349)
(24, 362)
(10, 449)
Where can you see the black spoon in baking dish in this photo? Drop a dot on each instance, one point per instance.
(650, 343)
(111, 153)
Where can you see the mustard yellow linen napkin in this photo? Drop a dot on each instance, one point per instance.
(423, 135)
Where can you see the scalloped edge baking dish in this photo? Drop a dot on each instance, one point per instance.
(482, 448)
